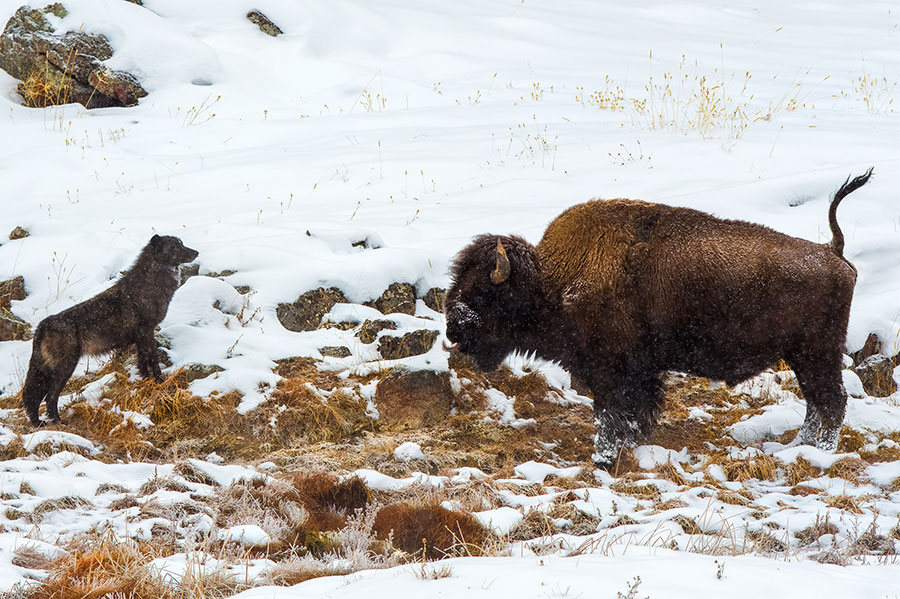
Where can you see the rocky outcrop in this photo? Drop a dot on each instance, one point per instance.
(306, 312)
(877, 375)
(369, 329)
(335, 351)
(434, 299)
(397, 298)
(410, 344)
(58, 69)
(264, 23)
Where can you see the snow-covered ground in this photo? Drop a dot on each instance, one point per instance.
(417, 125)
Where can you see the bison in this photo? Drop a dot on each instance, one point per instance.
(618, 291)
(127, 313)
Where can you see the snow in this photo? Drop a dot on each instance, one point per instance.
(662, 573)
(415, 126)
(248, 535)
(649, 456)
(408, 451)
(500, 520)
(537, 472)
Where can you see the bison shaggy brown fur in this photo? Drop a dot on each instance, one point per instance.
(127, 313)
(619, 291)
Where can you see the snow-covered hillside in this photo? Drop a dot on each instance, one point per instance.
(413, 126)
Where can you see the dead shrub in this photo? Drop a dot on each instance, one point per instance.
(431, 530)
(872, 543)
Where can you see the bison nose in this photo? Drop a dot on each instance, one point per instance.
(451, 347)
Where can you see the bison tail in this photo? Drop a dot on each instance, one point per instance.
(849, 186)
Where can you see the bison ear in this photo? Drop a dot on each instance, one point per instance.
(501, 270)
(155, 239)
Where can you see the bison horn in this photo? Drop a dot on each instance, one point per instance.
(501, 271)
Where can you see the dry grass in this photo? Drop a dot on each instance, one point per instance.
(536, 524)
(46, 86)
(845, 503)
(811, 534)
(427, 528)
(98, 567)
(759, 467)
(635, 489)
(800, 470)
(849, 468)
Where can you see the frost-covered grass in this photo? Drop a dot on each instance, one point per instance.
(364, 147)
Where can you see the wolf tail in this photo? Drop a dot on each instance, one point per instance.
(849, 186)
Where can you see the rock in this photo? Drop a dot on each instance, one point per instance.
(398, 297)
(877, 375)
(306, 313)
(872, 346)
(434, 299)
(410, 344)
(264, 23)
(18, 233)
(58, 69)
(335, 351)
(13, 328)
(413, 399)
(369, 329)
(11, 290)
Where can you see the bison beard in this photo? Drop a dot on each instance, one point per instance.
(619, 291)
(127, 313)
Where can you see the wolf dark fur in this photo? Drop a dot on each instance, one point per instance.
(127, 313)
(619, 291)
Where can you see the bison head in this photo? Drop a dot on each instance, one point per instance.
(492, 303)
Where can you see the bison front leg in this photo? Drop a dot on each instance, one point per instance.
(624, 415)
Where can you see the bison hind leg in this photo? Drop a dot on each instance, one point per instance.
(826, 401)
